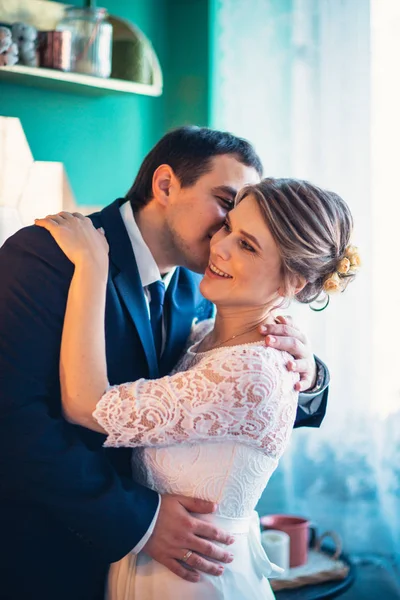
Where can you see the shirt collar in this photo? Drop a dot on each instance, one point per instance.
(147, 266)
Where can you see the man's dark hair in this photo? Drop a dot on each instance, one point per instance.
(189, 152)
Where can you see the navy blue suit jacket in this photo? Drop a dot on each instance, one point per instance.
(68, 506)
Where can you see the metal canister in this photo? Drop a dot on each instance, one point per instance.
(55, 50)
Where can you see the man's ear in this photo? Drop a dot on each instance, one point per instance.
(163, 180)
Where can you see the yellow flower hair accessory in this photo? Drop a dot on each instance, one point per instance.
(332, 283)
(353, 256)
(346, 266)
(343, 266)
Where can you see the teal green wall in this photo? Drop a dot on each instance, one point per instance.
(187, 86)
(102, 140)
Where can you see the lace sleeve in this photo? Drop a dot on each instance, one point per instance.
(243, 394)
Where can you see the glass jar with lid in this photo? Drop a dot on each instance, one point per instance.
(91, 40)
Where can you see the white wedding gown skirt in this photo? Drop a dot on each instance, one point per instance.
(142, 578)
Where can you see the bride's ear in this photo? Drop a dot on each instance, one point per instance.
(297, 283)
(300, 283)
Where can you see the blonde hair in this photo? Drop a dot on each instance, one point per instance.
(312, 229)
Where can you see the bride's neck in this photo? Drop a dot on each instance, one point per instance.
(237, 326)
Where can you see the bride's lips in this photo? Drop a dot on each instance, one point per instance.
(214, 275)
(209, 273)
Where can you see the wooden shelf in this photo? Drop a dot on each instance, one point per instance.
(74, 82)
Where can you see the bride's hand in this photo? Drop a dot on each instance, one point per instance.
(77, 237)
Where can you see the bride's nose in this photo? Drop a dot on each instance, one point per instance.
(221, 249)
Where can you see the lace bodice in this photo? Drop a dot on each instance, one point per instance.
(215, 428)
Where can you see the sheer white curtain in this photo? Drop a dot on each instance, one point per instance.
(296, 78)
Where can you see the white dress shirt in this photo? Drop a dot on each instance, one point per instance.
(149, 273)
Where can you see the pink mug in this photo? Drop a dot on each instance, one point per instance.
(298, 529)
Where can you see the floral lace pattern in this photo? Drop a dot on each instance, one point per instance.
(213, 429)
(238, 393)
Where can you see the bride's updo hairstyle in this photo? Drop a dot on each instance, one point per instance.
(312, 229)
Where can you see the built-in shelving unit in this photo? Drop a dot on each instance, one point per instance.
(45, 15)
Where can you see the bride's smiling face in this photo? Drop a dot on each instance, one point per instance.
(245, 268)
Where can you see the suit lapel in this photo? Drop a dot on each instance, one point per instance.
(127, 280)
(179, 312)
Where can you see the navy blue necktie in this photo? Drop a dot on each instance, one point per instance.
(157, 293)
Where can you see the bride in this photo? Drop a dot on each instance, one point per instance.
(216, 427)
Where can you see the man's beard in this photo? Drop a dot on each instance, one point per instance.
(185, 256)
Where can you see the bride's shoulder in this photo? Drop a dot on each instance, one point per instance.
(259, 357)
(259, 350)
(273, 364)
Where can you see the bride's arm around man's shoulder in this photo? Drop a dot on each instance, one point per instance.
(240, 393)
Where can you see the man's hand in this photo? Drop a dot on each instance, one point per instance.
(177, 531)
(285, 335)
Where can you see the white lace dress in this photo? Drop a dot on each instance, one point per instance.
(213, 429)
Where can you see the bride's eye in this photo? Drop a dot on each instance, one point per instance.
(246, 246)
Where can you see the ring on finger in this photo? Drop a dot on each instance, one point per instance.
(188, 554)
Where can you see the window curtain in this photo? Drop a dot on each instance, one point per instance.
(311, 83)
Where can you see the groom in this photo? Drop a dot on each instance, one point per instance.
(69, 506)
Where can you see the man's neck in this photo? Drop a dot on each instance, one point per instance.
(152, 229)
